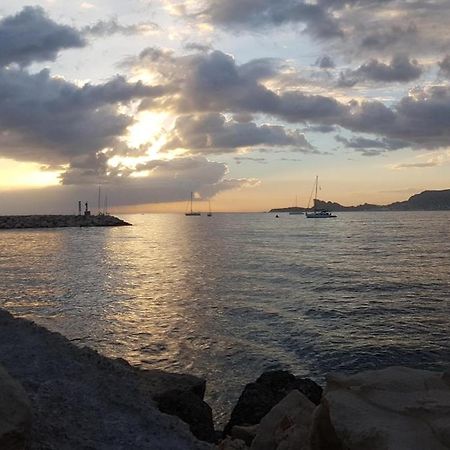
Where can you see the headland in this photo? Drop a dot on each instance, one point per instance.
(425, 201)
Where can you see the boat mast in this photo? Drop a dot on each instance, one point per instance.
(192, 194)
(315, 198)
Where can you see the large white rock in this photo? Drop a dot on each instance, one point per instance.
(15, 413)
(391, 409)
(287, 425)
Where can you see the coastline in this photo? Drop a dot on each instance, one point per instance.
(62, 397)
(81, 399)
(59, 221)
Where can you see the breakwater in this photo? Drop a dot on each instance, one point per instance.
(57, 221)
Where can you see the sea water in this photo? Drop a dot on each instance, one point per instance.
(229, 296)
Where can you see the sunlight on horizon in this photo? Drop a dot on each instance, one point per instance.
(16, 175)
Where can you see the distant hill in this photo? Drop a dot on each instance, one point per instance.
(425, 201)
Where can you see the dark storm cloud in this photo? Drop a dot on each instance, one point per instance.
(112, 26)
(52, 121)
(31, 36)
(401, 69)
(212, 133)
(261, 13)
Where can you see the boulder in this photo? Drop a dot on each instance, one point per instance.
(232, 444)
(287, 425)
(391, 409)
(246, 434)
(191, 409)
(15, 413)
(269, 389)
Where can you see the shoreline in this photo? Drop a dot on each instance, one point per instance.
(13, 222)
(77, 398)
(81, 399)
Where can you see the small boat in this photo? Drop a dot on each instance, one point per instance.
(321, 213)
(191, 212)
(209, 213)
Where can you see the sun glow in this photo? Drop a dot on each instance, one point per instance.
(16, 175)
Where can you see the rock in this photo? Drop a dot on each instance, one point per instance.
(391, 409)
(15, 413)
(269, 389)
(246, 434)
(287, 425)
(83, 400)
(232, 444)
(191, 409)
(159, 382)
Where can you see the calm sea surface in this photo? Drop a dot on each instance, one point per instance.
(230, 296)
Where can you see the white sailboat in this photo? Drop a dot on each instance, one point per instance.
(315, 213)
(191, 212)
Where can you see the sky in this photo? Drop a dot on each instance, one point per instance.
(242, 102)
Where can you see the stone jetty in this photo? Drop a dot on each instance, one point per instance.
(57, 221)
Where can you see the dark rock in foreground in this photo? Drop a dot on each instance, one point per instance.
(80, 399)
(269, 389)
(191, 409)
(59, 221)
(15, 413)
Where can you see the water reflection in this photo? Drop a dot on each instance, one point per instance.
(229, 296)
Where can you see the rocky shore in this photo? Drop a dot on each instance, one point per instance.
(57, 221)
(54, 395)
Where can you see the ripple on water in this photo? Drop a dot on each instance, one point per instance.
(229, 298)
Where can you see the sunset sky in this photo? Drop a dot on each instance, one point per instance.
(243, 102)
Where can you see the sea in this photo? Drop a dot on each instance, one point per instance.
(230, 296)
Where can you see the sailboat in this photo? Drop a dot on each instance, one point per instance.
(318, 214)
(191, 212)
(209, 214)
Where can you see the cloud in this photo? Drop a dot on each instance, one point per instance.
(31, 36)
(167, 181)
(255, 14)
(325, 62)
(214, 82)
(241, 159)
(112, 26)
(52, 121)
(435, 159)
(444, 66)
(372, 147)
(213, 133)
(400, 69)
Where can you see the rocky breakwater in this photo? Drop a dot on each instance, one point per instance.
(396, 408)
(77, 398)
(57, 221)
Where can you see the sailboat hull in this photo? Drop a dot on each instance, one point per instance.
(320, 215)
(193, 214)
